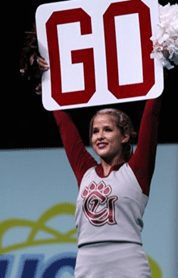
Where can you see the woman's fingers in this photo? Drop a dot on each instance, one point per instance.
(43, 65)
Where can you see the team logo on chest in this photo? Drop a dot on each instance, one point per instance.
(98, 204)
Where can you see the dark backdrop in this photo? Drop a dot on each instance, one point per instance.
(24, 123)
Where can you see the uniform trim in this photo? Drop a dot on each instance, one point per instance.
(108, 241)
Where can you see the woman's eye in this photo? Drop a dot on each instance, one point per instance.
(95, 130)
(108, 129)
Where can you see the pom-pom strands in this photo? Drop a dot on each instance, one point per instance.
(165, 41)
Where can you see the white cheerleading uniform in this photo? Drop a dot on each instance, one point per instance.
(110, 208)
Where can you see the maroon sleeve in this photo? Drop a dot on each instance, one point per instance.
(79, 159)
(143, 160)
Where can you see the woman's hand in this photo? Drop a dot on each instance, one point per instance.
(43, 65)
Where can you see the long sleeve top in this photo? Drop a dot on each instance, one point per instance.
(111, 208)
(142, 161)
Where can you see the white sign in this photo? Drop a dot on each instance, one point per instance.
(98, 52)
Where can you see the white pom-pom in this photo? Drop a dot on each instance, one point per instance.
(165, 41)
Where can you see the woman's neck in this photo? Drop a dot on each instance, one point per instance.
(107, 165)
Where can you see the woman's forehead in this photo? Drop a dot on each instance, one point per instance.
(104, 119)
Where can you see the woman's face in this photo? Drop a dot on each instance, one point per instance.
(106, 137)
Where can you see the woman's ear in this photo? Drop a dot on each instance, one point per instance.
(126, 138)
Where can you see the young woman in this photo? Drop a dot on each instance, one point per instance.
(112, 193)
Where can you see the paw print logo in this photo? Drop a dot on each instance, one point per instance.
(98, 205)
(100, 189)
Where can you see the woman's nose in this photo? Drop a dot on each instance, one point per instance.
(100, 135)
